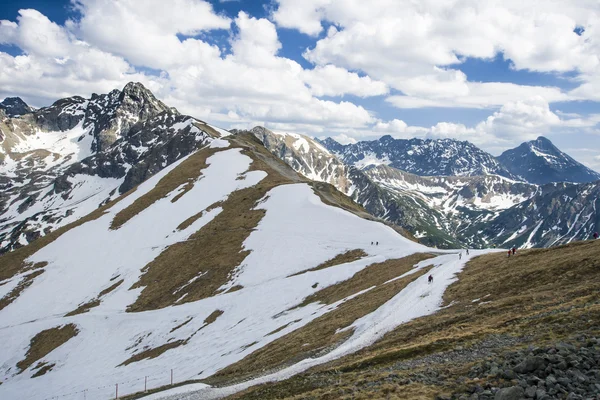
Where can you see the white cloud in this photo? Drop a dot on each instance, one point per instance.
(412, 46)
(330, 80)
(147, 35)
(524, 120)
(303, 15)
(344, 139)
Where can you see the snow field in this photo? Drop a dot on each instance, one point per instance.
(417, 299)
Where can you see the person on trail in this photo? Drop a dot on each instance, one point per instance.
(376, 243)
(514, 250)
(509, 252)
(467, 251)
(430, 279)
(595, 235)
(459, 256)
(371, 243)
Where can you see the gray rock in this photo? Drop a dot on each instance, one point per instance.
(510, 393)
(530, 364)
(530, 392)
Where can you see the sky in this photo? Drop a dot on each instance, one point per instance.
(495, 73)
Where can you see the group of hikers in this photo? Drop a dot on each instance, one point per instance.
(512, 251)
(375, 243)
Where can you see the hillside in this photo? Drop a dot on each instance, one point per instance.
(526, 325)
(226, 239)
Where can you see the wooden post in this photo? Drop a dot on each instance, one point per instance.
(171, 377)
(117, 391)
(145, 384)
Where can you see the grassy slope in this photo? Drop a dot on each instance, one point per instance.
(539, 296)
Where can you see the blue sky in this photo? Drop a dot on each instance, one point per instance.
(494, 73)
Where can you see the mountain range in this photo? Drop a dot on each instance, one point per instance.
(144, 250)
(461, 196)
(59, 163)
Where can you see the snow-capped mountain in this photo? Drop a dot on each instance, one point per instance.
(558, 213)
(425, 157)
(211, 259)
(450, 211)
(540, 162)
(60, 162)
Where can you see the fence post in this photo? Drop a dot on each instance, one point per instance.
(117, 391)
(171, 377)
(145, 384)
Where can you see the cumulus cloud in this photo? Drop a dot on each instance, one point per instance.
(345, 139)
(414, 46)
(523, 119)
(330, 80)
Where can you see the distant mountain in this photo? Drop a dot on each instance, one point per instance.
(539, 161)
(14, 106)
(558, 213)
(60, 162)
(449, 211)
(424, 157)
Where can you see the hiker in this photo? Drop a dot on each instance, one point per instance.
(514, 250)
(371, 243)
(467, 251)
(459, 256)
(509, 252)
(430, 279)
(595, 235)
(376, 243)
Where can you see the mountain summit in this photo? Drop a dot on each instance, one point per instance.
(539, 161)
(14, 107)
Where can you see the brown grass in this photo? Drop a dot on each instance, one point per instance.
(319, 336)
(349, 256)
(213, 317)
(153, 353)
(186, 173)
(182, 324)
(85, 307)
(16, 292)
(373, 275)
(546, 294)
(45, 342)
(178, 264)
(42, 369)
(197, 216)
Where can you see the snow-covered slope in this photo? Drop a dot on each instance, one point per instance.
(59, 163)
(158, 248)
(540, 162)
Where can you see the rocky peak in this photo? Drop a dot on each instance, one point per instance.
(540, 161)
(14, 107)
